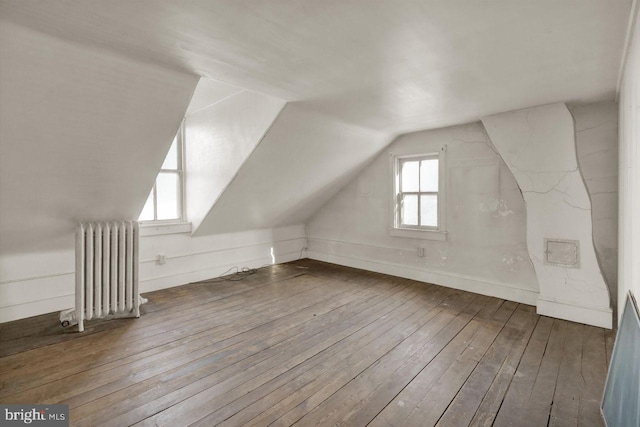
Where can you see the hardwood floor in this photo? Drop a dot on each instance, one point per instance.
(310, 343)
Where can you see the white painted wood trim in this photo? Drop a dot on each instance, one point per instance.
(158, 229)
(595, 316)
(35, 308)
(465, 283)
(54, 292)
(394, 229)
(172, 280)
(227, 248)
(418, 234)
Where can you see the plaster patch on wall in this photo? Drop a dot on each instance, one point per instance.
(510, 260)
(498, 207)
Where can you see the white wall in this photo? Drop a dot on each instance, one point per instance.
(486, 249)
(629, 133)
(596, 128)
(538, 144)
(32, 284)
(218, 139)
(191, 259)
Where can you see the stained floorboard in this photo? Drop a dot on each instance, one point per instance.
(312, 343)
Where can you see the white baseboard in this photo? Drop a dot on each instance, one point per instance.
(470, 284)
(35, 308)
(170, 281)
(35, 295)
(601, 317)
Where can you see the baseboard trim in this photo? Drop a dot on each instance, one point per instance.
(601, 317)
(36, 308)
(179, 279)
(479, 286)
(56, 291)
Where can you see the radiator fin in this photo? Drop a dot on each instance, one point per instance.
(107, 270)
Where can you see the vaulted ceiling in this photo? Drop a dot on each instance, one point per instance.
(393, 66)
(92, 92)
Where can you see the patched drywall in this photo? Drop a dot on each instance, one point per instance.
(218, 138)
(538, 144)
(302, 161)
(83, 134)
(485, 250)
(597, 147)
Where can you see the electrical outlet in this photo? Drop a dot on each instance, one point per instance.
(161, 259)
(421, 252)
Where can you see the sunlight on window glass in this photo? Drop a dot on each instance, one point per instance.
(429, 210)
(167, 194)
(171, 161)
(410, 209)
(410, 176)
(429, 175)
(147, 211)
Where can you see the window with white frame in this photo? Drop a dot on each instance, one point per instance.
(165, 201)
(418, 196)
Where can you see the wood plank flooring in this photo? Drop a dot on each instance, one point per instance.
(311, 343)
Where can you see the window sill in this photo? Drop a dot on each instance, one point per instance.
(160, 228)
(418, 234)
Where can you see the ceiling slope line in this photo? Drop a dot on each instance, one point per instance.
(235, 174)
(214, 103)
(327, 153)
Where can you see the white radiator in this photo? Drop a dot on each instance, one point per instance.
(106, 272)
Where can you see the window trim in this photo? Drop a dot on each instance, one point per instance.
(418, 232)
(400, 193)
(160, 228)
(181, 187)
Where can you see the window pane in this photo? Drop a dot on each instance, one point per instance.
(410, 177)
(171, 161)
(147, 211)
(167, 194)
(429, 175)
(409, 209)
(429, 210)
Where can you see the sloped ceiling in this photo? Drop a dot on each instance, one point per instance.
(83, 133)
(300, 164)
(209, 92)
(218, 139)
(394, 66)
(355, 73)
